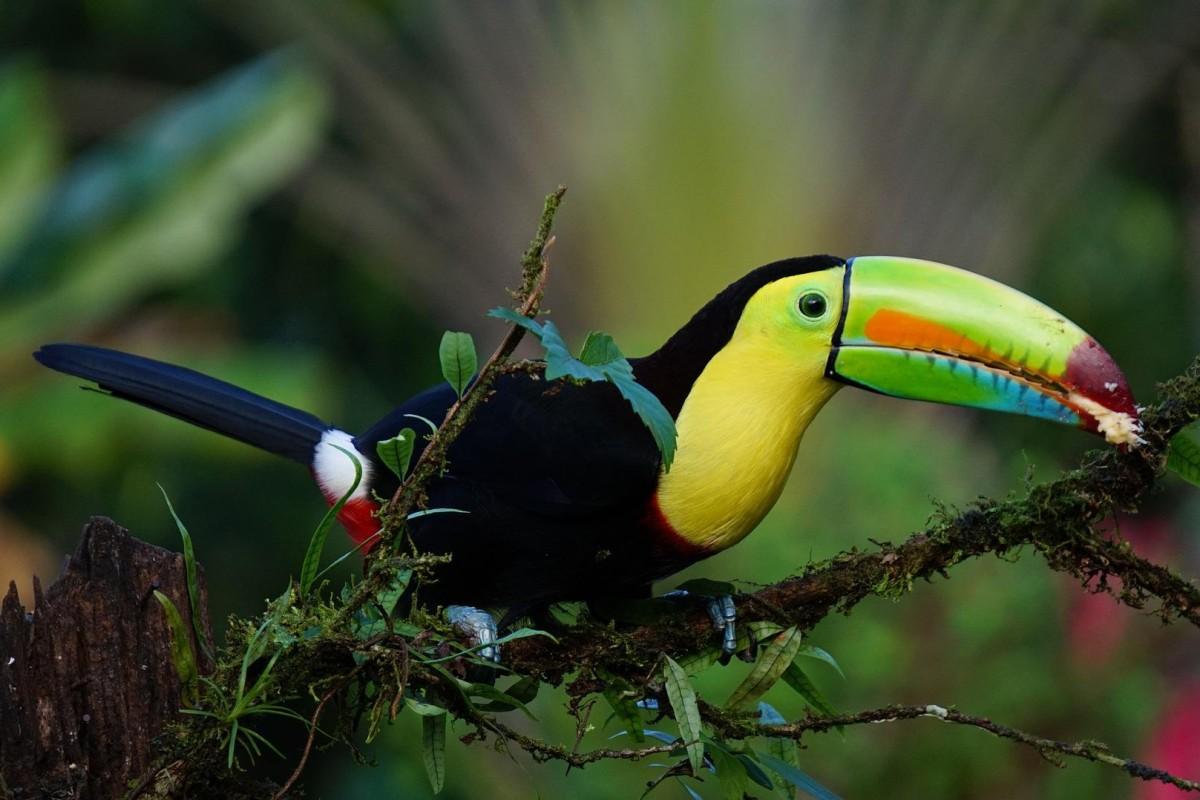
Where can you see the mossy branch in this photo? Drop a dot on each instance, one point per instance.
(1065, 520)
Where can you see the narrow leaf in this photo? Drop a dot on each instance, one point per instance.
(508, 315)
(1183, 455)
(316, 545)
(767, 670)
(622, 698)
(500, 701)
(695, 663)
(524, 690)
(424, 709)
(731, 773)
(795, 678)
(397, 452)
(428, 422)
(788, 752)
(755, 772)
(459, 362)
(812, 651)
(193, 578)
(433, 745)
(687, 712)
(182, 655)
(797, 778)
(762, 630)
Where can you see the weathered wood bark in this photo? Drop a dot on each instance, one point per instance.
(86, 679)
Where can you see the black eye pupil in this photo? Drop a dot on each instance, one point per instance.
(812, 305)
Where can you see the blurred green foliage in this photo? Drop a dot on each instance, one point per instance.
(302, 221)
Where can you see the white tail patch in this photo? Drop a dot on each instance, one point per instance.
(333, 469)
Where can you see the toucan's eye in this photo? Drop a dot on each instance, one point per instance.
(812, 305)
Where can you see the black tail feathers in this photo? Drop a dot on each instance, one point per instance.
(192, 397)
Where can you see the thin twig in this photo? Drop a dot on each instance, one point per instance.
(312, 735)
(535, 271)
(1050, 749)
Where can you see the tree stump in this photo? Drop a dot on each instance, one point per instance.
(86, 679)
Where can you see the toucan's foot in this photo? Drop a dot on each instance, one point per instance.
(723, 613)
(479, 627)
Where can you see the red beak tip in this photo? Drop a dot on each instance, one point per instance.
(1100, 391)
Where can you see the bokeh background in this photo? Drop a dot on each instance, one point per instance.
(299, 196)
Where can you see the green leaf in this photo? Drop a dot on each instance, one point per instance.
(687, 712)
(762, 630)
(524, 690)
(599, 348)
(193, 578)
(397, 452)
(520, 633)
(500, 701)
(433, 745)
(654, 415)
(424, 709)
(457, 354)
(508, 315)
(812, 651)
(731, 773)
(695, 663)
(622, 699)
(788, 752)
(797, 778)
(799, 681)
(768, 669)
(371, 623)
(1183, 455)
(182, 655)
(428, 422)
(316, 545)
(590, 367)
(754, 772)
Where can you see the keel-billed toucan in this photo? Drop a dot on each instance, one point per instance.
(563, 484)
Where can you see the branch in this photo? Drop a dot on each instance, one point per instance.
(1061, 519)
(1050, 749)
(535, 269)
(1053, 750)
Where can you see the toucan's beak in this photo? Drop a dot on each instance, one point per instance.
(926, 331)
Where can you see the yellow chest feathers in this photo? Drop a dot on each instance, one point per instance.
(739, 430)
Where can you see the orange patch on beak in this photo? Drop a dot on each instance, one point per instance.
(910, 332)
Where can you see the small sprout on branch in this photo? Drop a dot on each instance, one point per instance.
(397, 452)
(459, 362)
